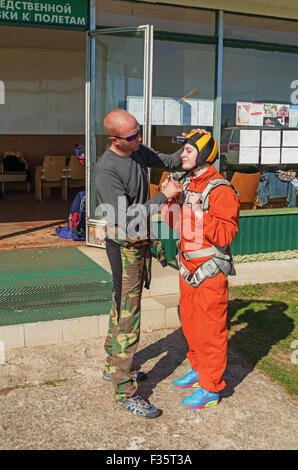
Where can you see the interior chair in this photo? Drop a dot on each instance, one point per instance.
(246, 184)
(14, 168)
(163, 177)
(156, 188)
(75, 173)
(52, 174)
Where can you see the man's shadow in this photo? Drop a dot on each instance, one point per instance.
(251, 323)
(175, 347)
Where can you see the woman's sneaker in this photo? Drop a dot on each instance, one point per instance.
(201, 398)
(139, 406)
(188, 380)
(138, 377)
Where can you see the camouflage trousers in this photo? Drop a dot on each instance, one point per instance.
(129, 273)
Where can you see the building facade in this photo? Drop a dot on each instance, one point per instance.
(230, 67)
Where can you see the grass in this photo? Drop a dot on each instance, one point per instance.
(276, 255)
(49, 383)
(263, 324)
(53, 383)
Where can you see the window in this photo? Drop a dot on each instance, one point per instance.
(261, 29)
(164, 18)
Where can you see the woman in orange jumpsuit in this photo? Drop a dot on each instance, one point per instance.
(203, 308)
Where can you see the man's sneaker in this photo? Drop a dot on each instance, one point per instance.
(190, 378)
(201, 399)
(138, 406)
(138, 377)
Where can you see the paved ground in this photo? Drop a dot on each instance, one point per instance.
(54, 397)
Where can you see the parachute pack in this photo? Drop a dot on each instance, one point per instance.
(76, 224)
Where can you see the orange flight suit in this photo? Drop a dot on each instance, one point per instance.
(203, 309)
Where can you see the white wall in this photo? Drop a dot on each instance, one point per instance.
(44, 91)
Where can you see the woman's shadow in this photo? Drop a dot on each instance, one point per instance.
(248, 336)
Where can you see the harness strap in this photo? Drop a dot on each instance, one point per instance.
(204, 196)
(207, 270)
(221, 260)
(218, 251)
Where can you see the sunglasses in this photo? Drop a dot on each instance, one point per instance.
(129, 138)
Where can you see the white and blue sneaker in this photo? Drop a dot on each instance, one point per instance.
(139, 406)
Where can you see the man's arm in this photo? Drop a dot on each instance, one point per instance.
(156, 159)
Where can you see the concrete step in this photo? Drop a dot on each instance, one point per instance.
(160, 312)
(165, 281)
(157, 313)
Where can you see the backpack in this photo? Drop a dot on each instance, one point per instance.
(76, 224)
(12, 163)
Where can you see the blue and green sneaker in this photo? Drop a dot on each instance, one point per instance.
(188, 380)
(201, 398)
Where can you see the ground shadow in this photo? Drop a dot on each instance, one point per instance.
(32, 230)
(176, 348)
(264, 316)
(251, 323)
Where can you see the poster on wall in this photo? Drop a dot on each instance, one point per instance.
(249, 138)
(173, 112)
(270, 156)
(135, 106)
(266, 115)
(205, 113)
(172, 115)
(290, 139)
(256, 114)
(249, 155)
(242, 114)
(157, 112)
(293, 115)
(271, 138)
(289, 155)
(283, 115)
(249, 147)
(249, 114)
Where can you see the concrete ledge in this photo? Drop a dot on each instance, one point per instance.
(156, 314)
(49, 332)
(12, 336)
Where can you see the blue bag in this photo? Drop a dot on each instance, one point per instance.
(76, 224)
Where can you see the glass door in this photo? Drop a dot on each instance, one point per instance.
(185, 102)
(119, 75)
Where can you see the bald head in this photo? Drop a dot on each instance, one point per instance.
(117, 121)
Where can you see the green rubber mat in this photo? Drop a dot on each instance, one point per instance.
(51, 284)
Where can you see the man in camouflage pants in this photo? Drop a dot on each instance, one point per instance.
(121, 173)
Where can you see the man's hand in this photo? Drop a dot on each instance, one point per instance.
(195, 131)
(171, 188)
